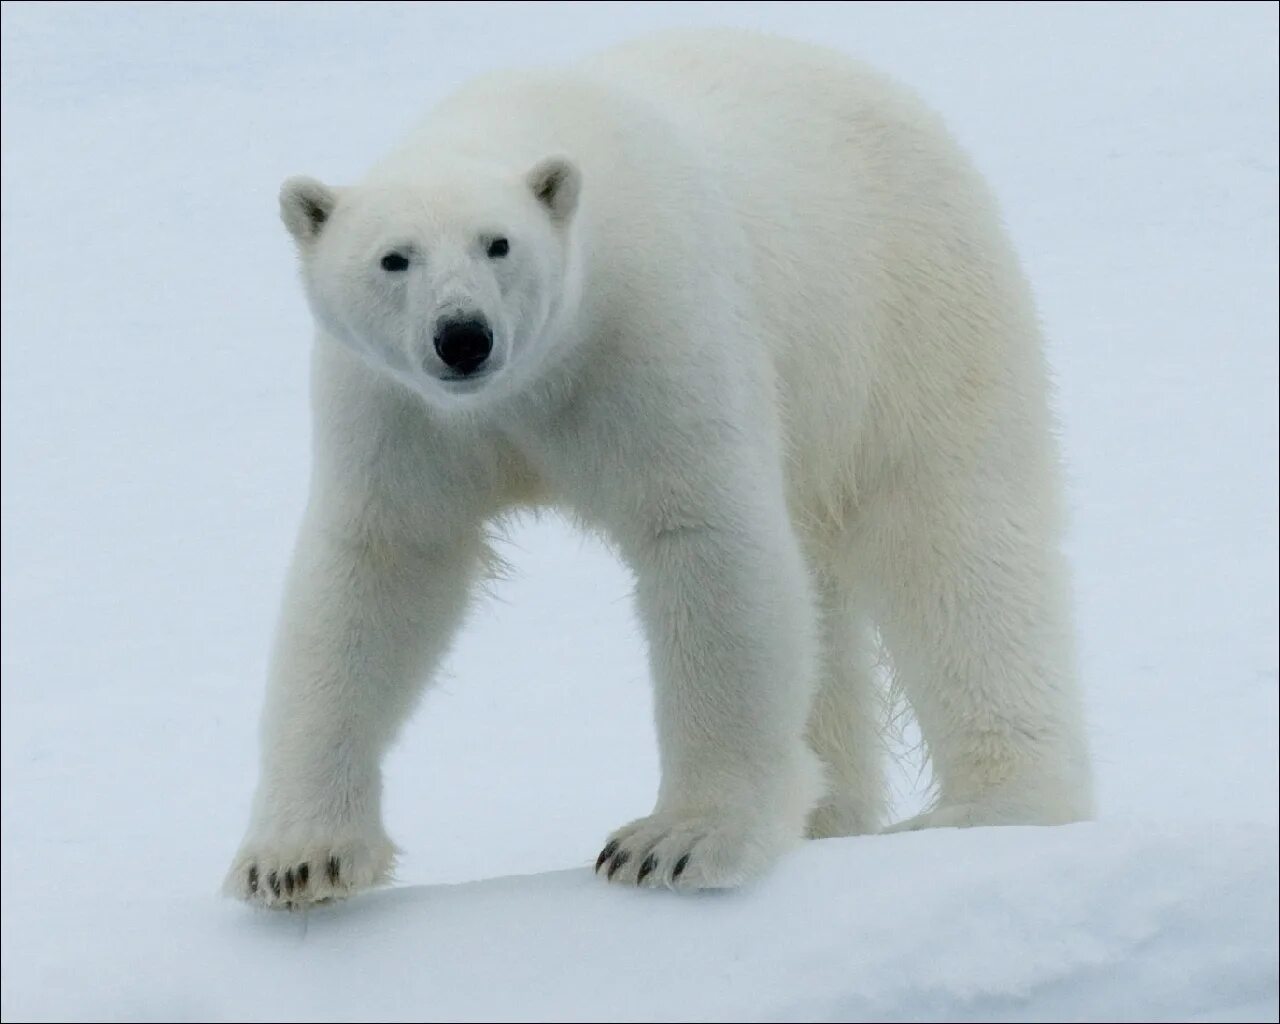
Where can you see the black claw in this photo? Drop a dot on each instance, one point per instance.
(304, 871)
(681, 864)
(334, 870)
(646, 869)
(618, 861)
(273, 880)
(288, 881)
(606, 853)
(253, 878)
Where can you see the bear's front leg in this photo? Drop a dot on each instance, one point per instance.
(365, 618)
(727, 607)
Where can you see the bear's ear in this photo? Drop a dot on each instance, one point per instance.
(555, 182)
(305, 205)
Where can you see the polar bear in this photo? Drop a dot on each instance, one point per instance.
(741, 306)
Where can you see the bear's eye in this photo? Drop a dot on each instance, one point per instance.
(394, 262)
(498, 248)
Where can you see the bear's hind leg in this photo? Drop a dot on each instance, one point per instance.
(844, 723)
(973, 608)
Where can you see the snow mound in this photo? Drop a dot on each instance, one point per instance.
(1087, 922)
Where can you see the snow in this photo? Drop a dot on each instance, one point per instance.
(1085, 922)
(154, 465)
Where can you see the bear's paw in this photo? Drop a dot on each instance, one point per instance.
(301, 872)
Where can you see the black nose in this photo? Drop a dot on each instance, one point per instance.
(464, 345)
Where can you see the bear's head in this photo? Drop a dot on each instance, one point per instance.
(456, 284)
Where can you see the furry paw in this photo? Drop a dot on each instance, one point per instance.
(298, 874)
(850, 818)
(1031, 809)
(695, 852)
(943, 816)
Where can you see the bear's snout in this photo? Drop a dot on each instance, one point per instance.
(464, 345)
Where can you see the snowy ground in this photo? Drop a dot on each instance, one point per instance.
(154, 459)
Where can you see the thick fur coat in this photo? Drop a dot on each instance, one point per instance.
(743, 307)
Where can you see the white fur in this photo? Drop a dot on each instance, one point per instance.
(760, 327)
